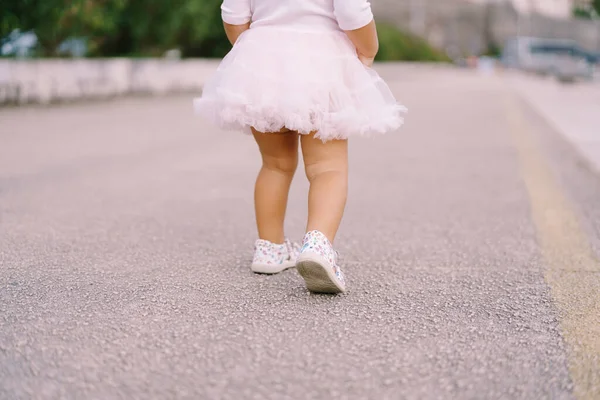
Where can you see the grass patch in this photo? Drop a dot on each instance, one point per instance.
(396, 45)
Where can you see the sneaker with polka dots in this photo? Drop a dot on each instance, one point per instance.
(317, 264)
(272, 258)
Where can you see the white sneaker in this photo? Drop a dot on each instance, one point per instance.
(271, 258)
(317, 264)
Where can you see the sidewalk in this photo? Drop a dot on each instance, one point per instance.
(574, 110)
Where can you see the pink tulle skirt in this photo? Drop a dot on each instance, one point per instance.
(276, 78)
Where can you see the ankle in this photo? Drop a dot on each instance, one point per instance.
(274, 239)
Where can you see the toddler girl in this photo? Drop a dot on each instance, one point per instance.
(300, 69)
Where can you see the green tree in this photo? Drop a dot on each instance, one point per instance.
(593, 11)
(121, 27)
(150, 28)
(395, 45)
(202, 33)
(56, 20)
(31, 14)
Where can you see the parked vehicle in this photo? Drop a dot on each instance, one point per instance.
(24, 44)
(18, 44)
(73, 47)
(563, 59)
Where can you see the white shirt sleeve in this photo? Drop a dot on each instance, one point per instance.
(236, 12)
(352, 14)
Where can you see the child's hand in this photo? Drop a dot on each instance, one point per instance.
(367, 61)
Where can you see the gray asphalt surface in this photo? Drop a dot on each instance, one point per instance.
(126, 234)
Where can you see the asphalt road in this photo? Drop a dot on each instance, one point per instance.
(470, 245)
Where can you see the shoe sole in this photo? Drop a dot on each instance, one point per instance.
(317, 274)
(265, 269)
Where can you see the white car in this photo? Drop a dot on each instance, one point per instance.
(563, 59)
(18, 44)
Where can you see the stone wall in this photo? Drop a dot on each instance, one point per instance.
(47, 81)
(52, 81)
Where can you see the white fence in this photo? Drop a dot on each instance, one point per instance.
(49, 81)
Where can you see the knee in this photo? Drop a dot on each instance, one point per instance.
(284, 165)
(314, 170)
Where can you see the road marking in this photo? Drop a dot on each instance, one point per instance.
(572, 271)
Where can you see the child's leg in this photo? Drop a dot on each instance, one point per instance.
(326, 167)
(279, 153)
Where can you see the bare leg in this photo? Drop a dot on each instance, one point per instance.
(326, 167)
(279, 153)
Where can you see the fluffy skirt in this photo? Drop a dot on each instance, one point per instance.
(303, 81)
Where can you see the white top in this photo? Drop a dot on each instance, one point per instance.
(347, 15)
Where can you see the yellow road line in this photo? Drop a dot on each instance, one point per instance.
(572, 271)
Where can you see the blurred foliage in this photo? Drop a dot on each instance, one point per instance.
(151, 27)
(493, 50)
(593, 11)
(56, 20)
(121, 27)
(395, 45)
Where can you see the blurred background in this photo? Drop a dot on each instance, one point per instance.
(125, 40)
